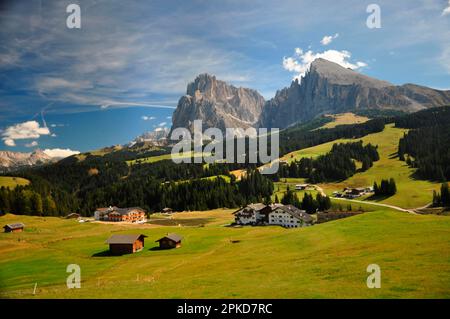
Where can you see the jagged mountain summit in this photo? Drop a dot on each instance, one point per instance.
(158, 137)
(327, 88)
(218, 104)
(12, 160)
(330, 88)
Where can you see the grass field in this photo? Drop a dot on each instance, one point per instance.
(323, 261)
(153, 159)
(411, 193)
(344, 119)
(12, 182)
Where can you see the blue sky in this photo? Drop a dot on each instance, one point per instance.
(141, 55)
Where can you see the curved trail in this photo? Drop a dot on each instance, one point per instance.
(411, 210)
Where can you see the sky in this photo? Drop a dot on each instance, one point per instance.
(132, 60)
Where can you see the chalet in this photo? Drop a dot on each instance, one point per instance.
(354, 192)
(275, 214)
(170, 241)
(116, 214)
(300, 187)
(13, 228)
(289, 216)
(102, 213)
(125, 244)
(249, 215)
(73, 215)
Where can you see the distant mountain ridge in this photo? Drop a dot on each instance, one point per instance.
(13, 160)
(326, 88)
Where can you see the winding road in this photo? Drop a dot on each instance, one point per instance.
(410, 210)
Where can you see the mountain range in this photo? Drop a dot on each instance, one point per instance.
(13, 160)
(327, 88)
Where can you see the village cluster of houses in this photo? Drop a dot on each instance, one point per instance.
(274, 214)
(116, 214)
(350, 192)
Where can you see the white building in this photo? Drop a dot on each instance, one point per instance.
(102, 213)
(289, 216)
(276, 214)
(250, 214)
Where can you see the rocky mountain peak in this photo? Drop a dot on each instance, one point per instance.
(218, 104)
(11, 160)
(203, 83)
(336, 74)
(330, 88)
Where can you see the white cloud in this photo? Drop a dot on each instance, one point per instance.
(301, 62)
(147, 118)
(328, 39)
(158, 129)
(9, 142)
(162, 124)
(169, 117)
(25, 130)
(447, 9)
(59, 152)
(32, 144)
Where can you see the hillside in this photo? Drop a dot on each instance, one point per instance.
(323, 261)
(11, 182)
(411, 193)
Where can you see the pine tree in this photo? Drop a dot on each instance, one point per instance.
(36, 204)
(445, 195)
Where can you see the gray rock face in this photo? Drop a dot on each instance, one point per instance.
(330, 88)
(12, 160)
(326, 88)
(218, 105)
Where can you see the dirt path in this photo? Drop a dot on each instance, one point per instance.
(411, 211)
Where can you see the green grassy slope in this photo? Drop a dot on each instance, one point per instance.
(12, 182)
(327, 260)
(411, 193)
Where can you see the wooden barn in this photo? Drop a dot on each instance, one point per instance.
(125, 244)
(170, 241)
(13, 228)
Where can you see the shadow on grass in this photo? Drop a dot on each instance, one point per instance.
(378, 198)
(105, 253)
(157, 248)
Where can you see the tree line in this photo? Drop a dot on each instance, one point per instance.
(442, 199)
(385, 188)
(426, 146)
(308, 203)
(336, 165)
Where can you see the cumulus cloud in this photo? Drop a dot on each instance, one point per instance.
(147, 118)
(447, 9)
(328, 39)
(9, 142)
(32, 144)
(25, 130)
(301, 61)
(162, 124)
(60, 152)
